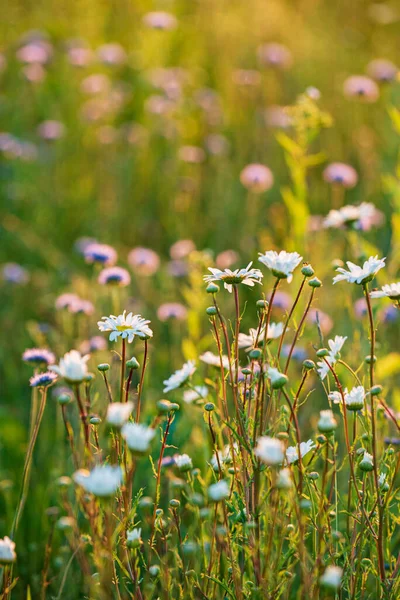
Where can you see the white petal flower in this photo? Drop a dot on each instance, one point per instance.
(391, 290)
(134, 537)
(7, 551)
(360, 275)
(126, 326)
(218, 491)
(335, 347)
(180, 377)
(270, 450)
(284, 480)
(72, 367)
(102, 481)
(118, 413)
(327, 422)
(354, 399)
(248, 342)
(213, 359)
(363, 217)
(283, 264)
(247, 276)
(183, 462)
(137, 436)
(292, 453)
(199, 392)
(367, 462)
(332, 577)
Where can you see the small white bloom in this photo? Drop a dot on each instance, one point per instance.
(134, 537)
(218, 491)
(126, 326)
(284, 480)
(367, 462)
(199, 392)
(247, 276)
(102, 481)
(72, 367)
(183, 462)
(335, 347)
(327, 421)
(278, 379)
(292, 453)
(137, 436)
(214, 360)
(360, 275)
(248, 342)
(361, 217)
(336, 397)
(354, 399)
(270, 450)
(118, 413)
(332, 577)
(283, 264)
(391, 290)
(180, 377)
(7, 551)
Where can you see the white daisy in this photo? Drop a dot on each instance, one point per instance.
(292, 453)
(199, 392)
(118, 413)
(218, 491)
(72, 367)
(103, 480)
(354, 399)
(180, 377)
(7, 551)
(248, 341)
(214, 360)
(137, 436)
(360, 275)
(126, 326)
(270, 450)
(230, 278)
(283, 264)
(391, 290)
(335, 347)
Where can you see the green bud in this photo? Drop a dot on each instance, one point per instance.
(154, 570)
(307, 270)
(209, 407)
(376, 390)
(322, 352)
(315, 282)
(174, 503)
(94, 420)
(321, 439)
(313, 475)
(88, 377)
(255, 354)
(211, 311)
(309, 364)
(103, 367)
(282, 435)
(159, 512)
(212, 288)
(305, 505)
(246, 371)
(262, 303)
(132, 363)
(64, 399)
(368, 359)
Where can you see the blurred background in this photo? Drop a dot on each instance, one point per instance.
(131, 122)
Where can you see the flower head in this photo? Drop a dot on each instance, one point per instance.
(7, 551)
(43, 379)
(292, 453)
(332, 577)
(248, 342)
(172, 310)
(391, 290)
(341, 174)
(360, 275)
(283, 264)
(362, 217)
(382, 70)
(278, 379)
(137, 436)
(362, 88)
(144, 261)
(214, 360)
(284, 480)
(114, 276)
(102, 481)
(134, 537)
(72, 367)
(354, 399)
(100, 253)
(247, 276)
(257, 178)
(327, 422)
(118, 413)
(38, 356)
(335, 347)
(270, 450)
(218, 491)
(180, 377)
(183, 462)
(126, 326)
(367, 462)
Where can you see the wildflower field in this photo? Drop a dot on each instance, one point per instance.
(200, 294)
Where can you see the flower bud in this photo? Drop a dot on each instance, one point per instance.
(376, 390)
(255, 354)
(315, 282)
(322, 352)
(262, 304)
(94, 420)
(174, 503)
(327, 422)
(211, 311)
(212, 288)
(307, 270)
(64, 399)
(103, 367)
(209, 407)
(309, 364)
(367, 462)
(132, 363)
(368, 359)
